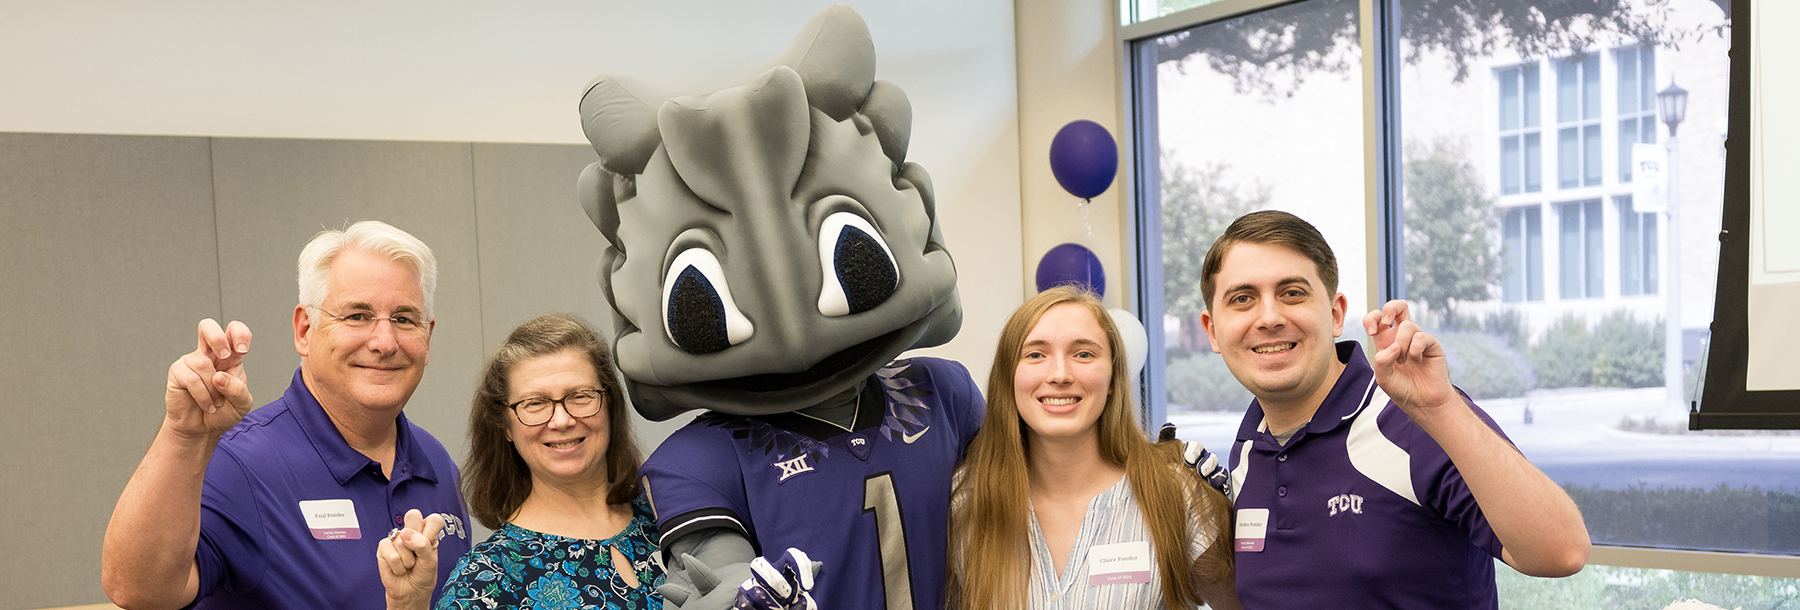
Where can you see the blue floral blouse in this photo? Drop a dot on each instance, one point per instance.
(520, 568)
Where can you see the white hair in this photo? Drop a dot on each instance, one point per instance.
(370, 236)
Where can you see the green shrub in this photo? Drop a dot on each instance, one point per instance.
(1720, 517)
(1485, 367)
(1564, 357)
(1627, 353)
(1200, 382)
(1509, 325)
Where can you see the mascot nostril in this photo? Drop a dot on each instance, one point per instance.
(786, 201)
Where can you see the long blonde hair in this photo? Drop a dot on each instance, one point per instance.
(989, 531)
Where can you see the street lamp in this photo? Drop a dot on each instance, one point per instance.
(1671, 103)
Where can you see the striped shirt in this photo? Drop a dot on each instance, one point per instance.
(1112, 518)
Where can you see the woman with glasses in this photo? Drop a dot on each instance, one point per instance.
(552, 468)
(1062, 501)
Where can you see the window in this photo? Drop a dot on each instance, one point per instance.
(1566, 358)
(1521, 146)
(1637, 250)
(1579, 250)
(1578, 122)
(1522, 254)
(1637, 102)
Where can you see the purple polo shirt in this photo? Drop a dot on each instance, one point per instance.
(1365, 509)
(256, 547)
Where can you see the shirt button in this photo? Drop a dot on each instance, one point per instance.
(1281, 458)
(1281, 492)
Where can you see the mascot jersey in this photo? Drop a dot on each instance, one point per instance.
(835, 494)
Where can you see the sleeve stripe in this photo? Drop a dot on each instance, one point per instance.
(693, 521)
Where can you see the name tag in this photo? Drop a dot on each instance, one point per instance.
(331, 519)
(1252, 529)
(1114, 564)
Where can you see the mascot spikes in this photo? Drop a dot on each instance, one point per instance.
(771, 251)
(769, 241)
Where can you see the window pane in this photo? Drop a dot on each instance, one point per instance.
(1531, 95)
(1595, 243)
(1534, 254)
(1651, 266)
(1590, 87)
(1568, 158)
(1512, 256)
(1509, 99)
(1628, 85)
(1509, 164)
(1627, 135)
(1590, 155)
(1569, 251)
(1568, 102)
(1631, 269)
(1534, 163)
(1647, 83)
(1244, 139)
(1647, 127)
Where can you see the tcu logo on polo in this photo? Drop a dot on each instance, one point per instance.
(793, 467)
(1345, 503)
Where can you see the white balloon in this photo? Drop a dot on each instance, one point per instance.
(1136, 339)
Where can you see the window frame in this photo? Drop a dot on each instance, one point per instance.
(1385, 256)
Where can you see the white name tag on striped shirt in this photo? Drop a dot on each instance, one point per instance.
(1113, 564)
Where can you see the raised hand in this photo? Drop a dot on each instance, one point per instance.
(1201, 461)
(207, 392)
(1409, 362)
(407, 560)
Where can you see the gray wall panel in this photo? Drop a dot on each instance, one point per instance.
(539, 252)
(109, 260)
(274, 195)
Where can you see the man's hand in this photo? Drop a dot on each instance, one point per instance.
(1409, 363)
(407, 561)
(207, 392)
(1201, 461)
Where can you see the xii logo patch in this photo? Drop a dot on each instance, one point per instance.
(793, 467)
(1345, 503)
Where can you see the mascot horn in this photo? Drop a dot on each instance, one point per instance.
(771, 252)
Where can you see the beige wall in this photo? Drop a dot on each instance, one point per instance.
(305, 116)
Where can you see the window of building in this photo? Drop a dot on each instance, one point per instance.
(1578, 121)
(1637, 102)
(1637, 250)
(1580, 250)
(1522, 254)
(1521, 146)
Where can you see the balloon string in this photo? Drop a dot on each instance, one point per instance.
(1084, 216)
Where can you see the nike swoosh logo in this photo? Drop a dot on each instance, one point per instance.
(909, 438)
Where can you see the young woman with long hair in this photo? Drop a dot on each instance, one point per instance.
(1062, 498)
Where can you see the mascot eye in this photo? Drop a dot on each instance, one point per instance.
(859, 269)
(697, 308)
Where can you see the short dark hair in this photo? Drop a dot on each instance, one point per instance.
(495, 480)
(1270, 227)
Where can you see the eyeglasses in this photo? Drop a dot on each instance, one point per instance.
(537, 410)
(405, 321)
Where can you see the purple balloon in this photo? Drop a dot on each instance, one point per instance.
(1084, 158)
(1071, 264)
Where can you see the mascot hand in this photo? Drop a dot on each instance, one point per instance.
(694, 586)
(1202, 461)
(785, 584)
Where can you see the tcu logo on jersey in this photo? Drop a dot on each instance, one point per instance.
(793, 467)
(1345, 503)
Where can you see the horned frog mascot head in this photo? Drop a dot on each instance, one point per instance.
(770, 244)
(771, 251)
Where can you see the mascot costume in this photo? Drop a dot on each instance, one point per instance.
(771, 251)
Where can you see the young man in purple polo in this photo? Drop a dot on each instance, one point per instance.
(1363, 484)
(283, 507)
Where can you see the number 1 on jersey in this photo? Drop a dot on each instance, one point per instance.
(896, 572)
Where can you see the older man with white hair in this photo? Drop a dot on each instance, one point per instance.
(283, 507)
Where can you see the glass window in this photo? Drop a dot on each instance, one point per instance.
(1231, 136)
(1522, 255)
(1521, 154)
(1577, 119)
(1637, 102)
(1637, 250)
(1579, 250)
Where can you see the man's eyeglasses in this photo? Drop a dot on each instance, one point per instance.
(537, 410)
(405, 321)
